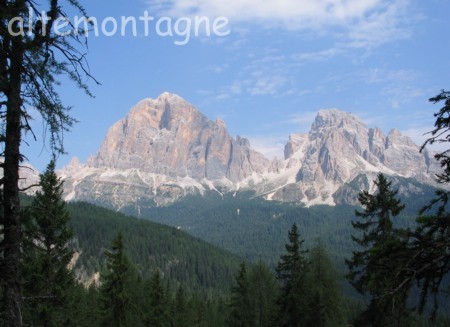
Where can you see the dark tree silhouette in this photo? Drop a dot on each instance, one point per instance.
(430, 254)
(29, 64)
(47, 278)
(292, 272)
(372, 270)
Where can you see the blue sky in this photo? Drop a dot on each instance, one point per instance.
(282, 62)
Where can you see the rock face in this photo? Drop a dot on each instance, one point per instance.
(165, 148)
(169, 137)
(161, 150)
(339, 150)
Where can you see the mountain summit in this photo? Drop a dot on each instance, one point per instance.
(165, 149)
(169, 137)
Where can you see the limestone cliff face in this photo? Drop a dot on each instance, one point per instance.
(162, 150)
(169, 137)
(339, 149)
(165, 149)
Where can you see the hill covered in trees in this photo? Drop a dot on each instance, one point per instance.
(179, 257)
(255, 229)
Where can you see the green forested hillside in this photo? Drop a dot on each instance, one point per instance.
(255, 229)
(181, 258)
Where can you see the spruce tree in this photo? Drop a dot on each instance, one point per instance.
(373, 270)
(48, 283)
(292, 272)
(115, 292)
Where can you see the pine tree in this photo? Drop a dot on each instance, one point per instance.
(372, 269)
(48, 283)
(292, 272)
(114, 291)
(326, 296)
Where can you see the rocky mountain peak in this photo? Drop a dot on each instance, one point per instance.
(165, 148)
(396, 139)
(338, 148)
(334, 118)
(169, 139)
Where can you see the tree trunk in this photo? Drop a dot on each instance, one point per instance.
(11, 202)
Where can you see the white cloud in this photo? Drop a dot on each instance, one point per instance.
(291, 13)
(361, 23)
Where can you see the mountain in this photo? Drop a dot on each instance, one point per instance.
(340, 156)
(161, 151)
(165, 149)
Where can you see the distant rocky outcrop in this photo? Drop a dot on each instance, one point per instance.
(29, 178)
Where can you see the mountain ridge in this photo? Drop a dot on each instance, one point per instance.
(165, 149)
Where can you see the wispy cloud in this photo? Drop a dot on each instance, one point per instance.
(218, 69)
(393, 22)
(266, 84)
(269, 145)
(302, 120)
(400, 86)
(420, 134)
(235, 88)
(321, 55)
(262, 76)
(396, 88)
